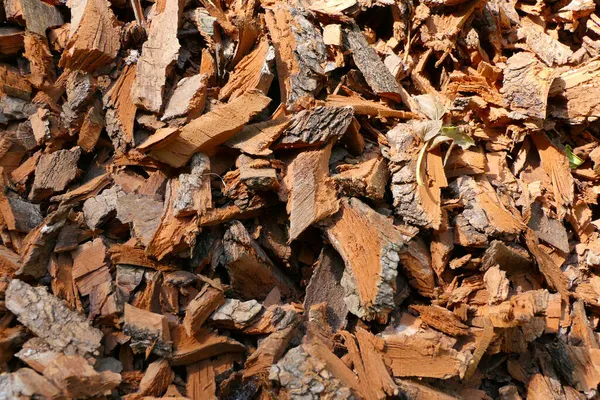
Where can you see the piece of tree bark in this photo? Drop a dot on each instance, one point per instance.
(41, 64)
(37, 354)
(19, 215)
(324, 286)
(252, 272)
(441, 319)
(200, 134)
(206, 344)
(270, 350)
(548, 229)
(316, 127)
(548, 49)
(313, 196)
(39, 243)
(149, 331)
(574, 89)
(252, 72)
(236, 314)
(38, 15)
(556, 165)
(378, 77)
(188, 98)
(93, 123)
(54, 172)
(201, 383)
(157, 378)
(12, 83)
(257, 174)
(368, 178)
(61, 328)
(76, 378)
(194, 192)
(299, 67)
(85, 191)
(413, 355)
(11, 40)
(527, 84)
(159, 53)
(120, 109)
(201, 307)
(21, 174)
(372, 267)
(255, 139)
(100, 208)
(142, 212)
(94, 38)
(25, 383)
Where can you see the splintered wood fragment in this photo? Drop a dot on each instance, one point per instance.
(18, 214)
(159, 54)
(417, 204)
(548, 49)
(478, 196)
(324, 286)
(50, 319)
(120, 109)
(257, 174)
(315, 127)
(255, 139)
(416, 355)
(368, 178)
(12, 83)
(172, 231)
(367, 107)
(41, 63)
(206, 344)
(313, 195)
(77, 378)
(149, 331)
(252, 72)
(575, 91)
(582, 333)
(99, 209)
(526, 85)
(441, 319)
(88, 190)
(548, 267)
(556, 165)
(212, 129)
(369, 279)
(194, 192)
(201, 307)
(37, 246)
(94, 38)
(582, 372)
(188, 98)
(54, 172)
(376, 374)
(252, 272)
(496, 284)
(299, 68)
(11, 40)
(25, 383)
(93, 123)
(157, 378)
(378, 77)
(38, 15)
(160, 138)
(201, 383)
(37, 354)
(89, 266)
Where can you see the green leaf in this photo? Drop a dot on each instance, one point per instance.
(462, 139)
(574, 161)
(430, 106)
(427, 130)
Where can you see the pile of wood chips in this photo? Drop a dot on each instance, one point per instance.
(299, 199)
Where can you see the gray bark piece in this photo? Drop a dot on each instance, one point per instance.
(54, 172)
(316, 126)
(241, 313)
(99, 209)
(144, 213)
(548, 229)
(50, 319)
(377, 75)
